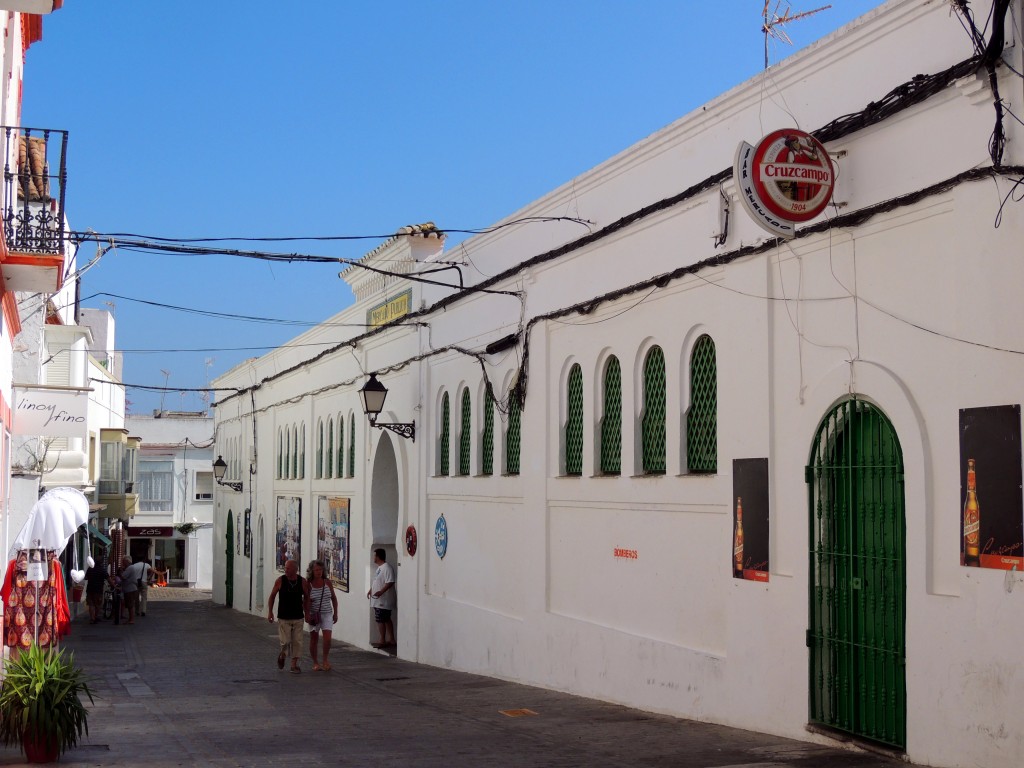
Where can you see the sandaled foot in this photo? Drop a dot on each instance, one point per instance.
(326, 666)
(295, 670)
(316, 667)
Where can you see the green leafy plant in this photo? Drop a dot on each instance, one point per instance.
(40, 700)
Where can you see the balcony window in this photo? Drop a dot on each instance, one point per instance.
(156, 486)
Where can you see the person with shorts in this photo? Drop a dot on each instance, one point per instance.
(130, 575)
(294, 592)
(321, 613)
(383, 599)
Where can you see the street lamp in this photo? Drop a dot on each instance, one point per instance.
(372, 396)
(219, 468)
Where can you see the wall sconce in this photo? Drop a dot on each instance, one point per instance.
(372, 396)
(219, 468)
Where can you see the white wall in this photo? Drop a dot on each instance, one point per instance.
(913, 309)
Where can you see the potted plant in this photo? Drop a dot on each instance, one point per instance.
(41, 708)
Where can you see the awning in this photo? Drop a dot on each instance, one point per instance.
(97, 535)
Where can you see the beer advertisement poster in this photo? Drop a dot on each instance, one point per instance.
(289, 531)
(750, 519)
(991, 505)
(332, 538)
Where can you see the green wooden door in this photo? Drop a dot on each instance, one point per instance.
(229, 563)
(857, 583)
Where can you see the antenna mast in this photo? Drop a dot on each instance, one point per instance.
(773, 23)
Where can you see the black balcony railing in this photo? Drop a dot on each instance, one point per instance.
(33, 193)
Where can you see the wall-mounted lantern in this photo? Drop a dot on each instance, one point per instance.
(219, 468)
(372, 396)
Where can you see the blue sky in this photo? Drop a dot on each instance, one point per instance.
(246, 119)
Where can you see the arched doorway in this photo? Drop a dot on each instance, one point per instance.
(260, 599)
(229, 563)
(384, 500)
(857, 587)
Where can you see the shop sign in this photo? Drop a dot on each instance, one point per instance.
(152, 532)
(785, 180)
(389, 310)
(43, 412)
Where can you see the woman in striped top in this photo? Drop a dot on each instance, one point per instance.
(321, 612)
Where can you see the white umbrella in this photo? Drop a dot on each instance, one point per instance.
(53, 520)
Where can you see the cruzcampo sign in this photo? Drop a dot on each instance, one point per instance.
(785, 180)
(389, 310)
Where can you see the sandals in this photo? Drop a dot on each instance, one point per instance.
(326, 666)
(316, 667)
(295, 670)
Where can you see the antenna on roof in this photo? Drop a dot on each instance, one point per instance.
(163, 394)
(773, 23)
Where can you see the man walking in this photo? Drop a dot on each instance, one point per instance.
(130, 575)
(383, 599)
(290, 614)
(144, 581)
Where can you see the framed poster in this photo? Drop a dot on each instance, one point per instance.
(750, 519)
(289, 531)
(991, 507)
(247, 536)
(332, 538)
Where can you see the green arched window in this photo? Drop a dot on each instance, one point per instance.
(574, 422)
(464, 433)
(286, 473)
(330, 449)
(513, 438)
(611, 419)
(702, 418)
(487, 443)
(652, 427)
(302, 453)
(280, 453)
(351, 445)
(319, 450)
(341, 446)
(444, 439)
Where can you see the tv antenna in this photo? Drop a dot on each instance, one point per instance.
(774, 22)
(163, 394)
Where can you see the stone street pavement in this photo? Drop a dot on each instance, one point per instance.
(194, 684)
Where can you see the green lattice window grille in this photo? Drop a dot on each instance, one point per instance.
(302, 453)
(465, 434)
(574, 422)
(856, 635)
(330, 449)
(513, 436)
(287, 453)
(487, 443)
(652, 428)
(341, 445)
(611, 420)
(319, 449)
(351, 445)
(443, 446)
(280, 453)
(702, 418)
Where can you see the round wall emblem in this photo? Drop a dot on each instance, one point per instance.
(410, 540)
(441, 537)
(785, 180)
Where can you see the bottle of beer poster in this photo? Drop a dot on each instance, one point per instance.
(972, 519)
(737, 542)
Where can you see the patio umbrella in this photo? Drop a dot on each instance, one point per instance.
(53, 520)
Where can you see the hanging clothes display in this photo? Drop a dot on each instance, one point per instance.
(34, 611)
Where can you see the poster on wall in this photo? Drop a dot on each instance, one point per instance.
(289, 531)
(750, 519)
(332, 538)
(991, 505)
(247, 536)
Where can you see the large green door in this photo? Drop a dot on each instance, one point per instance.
(857, 576)
(229, 563)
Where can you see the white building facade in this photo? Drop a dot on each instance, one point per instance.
(173, 525)
(658, 363)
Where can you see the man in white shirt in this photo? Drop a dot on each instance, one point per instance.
(130, 575)
(383, 598)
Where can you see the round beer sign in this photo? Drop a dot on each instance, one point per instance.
(785, 180)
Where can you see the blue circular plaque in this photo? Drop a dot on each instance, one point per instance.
(441, 536)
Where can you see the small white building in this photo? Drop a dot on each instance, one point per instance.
(173, 525)
(667, 459)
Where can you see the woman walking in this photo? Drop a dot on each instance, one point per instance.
(321, 612)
